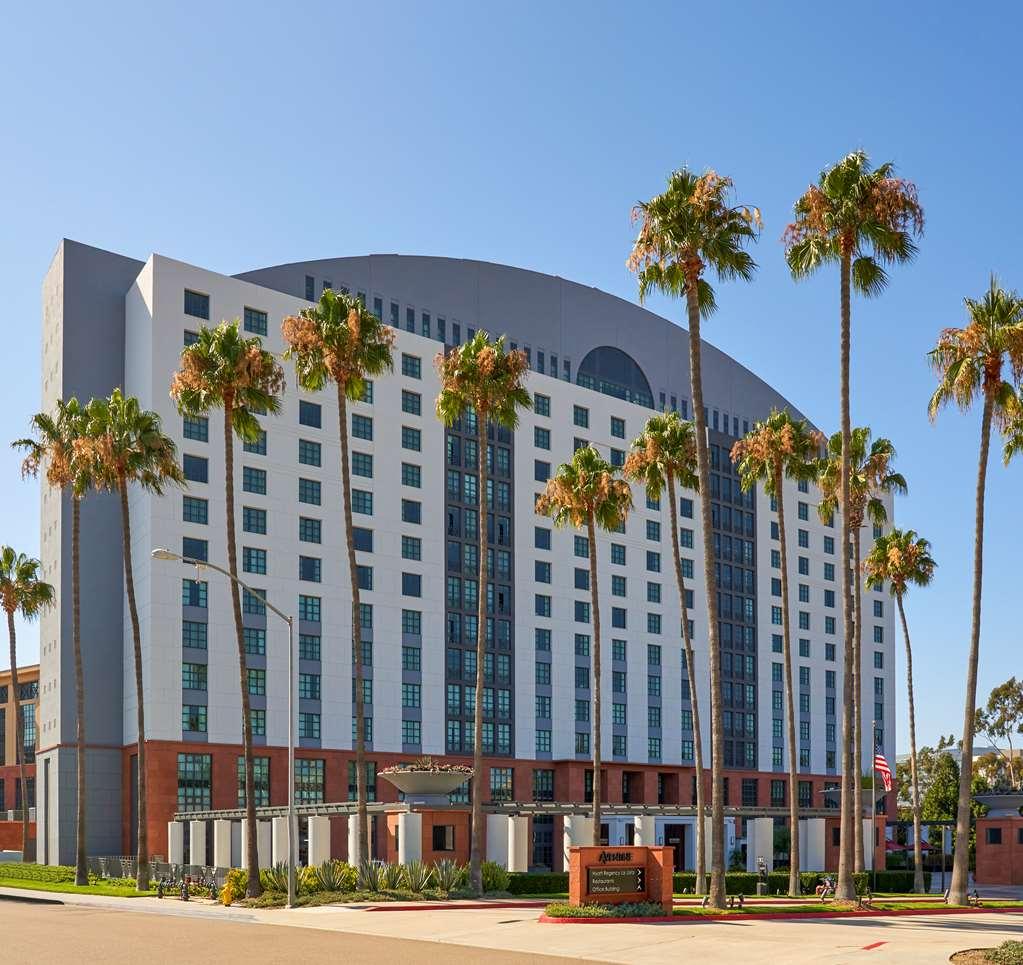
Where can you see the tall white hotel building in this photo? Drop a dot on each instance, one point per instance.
(599, 367)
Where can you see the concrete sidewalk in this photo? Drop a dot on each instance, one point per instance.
(493, 932)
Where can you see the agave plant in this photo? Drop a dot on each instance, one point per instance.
(336, 875)
(370, 875)
(449, 875)
(417, 876)
(392, 877)
(275, 878)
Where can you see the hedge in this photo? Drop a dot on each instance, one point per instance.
(37, 872)
(736, 882)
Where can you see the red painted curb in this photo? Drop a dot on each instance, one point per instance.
(793, 916)
(466, 907)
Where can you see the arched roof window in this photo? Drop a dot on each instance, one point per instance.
(610, 370)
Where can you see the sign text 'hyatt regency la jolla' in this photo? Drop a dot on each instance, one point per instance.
(616, 875)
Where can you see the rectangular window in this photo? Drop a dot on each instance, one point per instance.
(256, 446)
(193, 676)
(254, 520)
(253, 560)
(308, 728)
(411, 584)
(362, 426)
(362, 501)
(195, 791)
(411, 548)
(260, 781)
(197, 429)
(581, 416)
(196, 468)
(254, 603)
(309, 646)
(194, 510)
(541, 404)
(254, 480)
(309, 569)
(411, 366)
(309, 453)
(310, 414)
(411, 438)
(193, 718)
(617, 427)
(256, 682)
(411, 511)
(197, 304)
(309, 608)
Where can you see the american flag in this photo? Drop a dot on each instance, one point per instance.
(882, 768)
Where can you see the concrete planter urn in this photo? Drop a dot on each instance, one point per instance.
(1001, 804)
(426, 785)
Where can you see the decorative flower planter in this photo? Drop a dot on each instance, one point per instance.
(1005, 804)
(426, 786)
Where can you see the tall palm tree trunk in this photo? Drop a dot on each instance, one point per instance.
(858, 846)
(362, 819)
(918, 854)
(476, 851)
(19, 735)
(845, 889)
(790, 696)
(701, 855)
(717, 740)
(254, 888)
(961, 861)
(595, 661)
(81, 871)
(142, 868)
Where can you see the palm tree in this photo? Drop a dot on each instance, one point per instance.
(970, 363)
(224, 370)
(900, 558)
(482, 379)
(587, 493)
(22, 592)
(685, 231)
(870, 477)
(51, 449)
(124, 446)
(663, 458)
(339, 341)
(863, 220)
(774, 450)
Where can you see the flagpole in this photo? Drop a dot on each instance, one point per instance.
(873, 805)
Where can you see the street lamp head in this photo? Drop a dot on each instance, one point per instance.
(165, 554)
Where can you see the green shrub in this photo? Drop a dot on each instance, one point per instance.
(334, 875)
(391, 877)
(1008, 953)
(639, 909)
(38, 872)
(306, 881)
(235, 886)
(370, 875)
(417, 876)
(275, 878)
(542, 883)
(495, 878)
(449, 875)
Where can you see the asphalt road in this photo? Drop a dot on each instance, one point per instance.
(42, 934)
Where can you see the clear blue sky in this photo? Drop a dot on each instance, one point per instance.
(233, 139)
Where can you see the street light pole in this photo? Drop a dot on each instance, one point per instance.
(165, 554)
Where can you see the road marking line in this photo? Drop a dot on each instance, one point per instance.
(867, 948)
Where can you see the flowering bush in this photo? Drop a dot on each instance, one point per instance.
(427, 764)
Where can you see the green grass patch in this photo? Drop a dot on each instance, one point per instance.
(70, 888)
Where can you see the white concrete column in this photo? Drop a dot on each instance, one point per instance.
(354, 858)
(708, 825)
(518, 843)
(175, 842)
(279, 839)
(410, 837)
(498, 833)
(222, 844)
(759, 843)
(577, 833)
(811, 844)
(264, 843)
(645, 830)
(319, 840)
(197, 842)
(868, 843)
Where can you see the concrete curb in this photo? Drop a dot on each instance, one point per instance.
(781, 916)
(30, 899)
